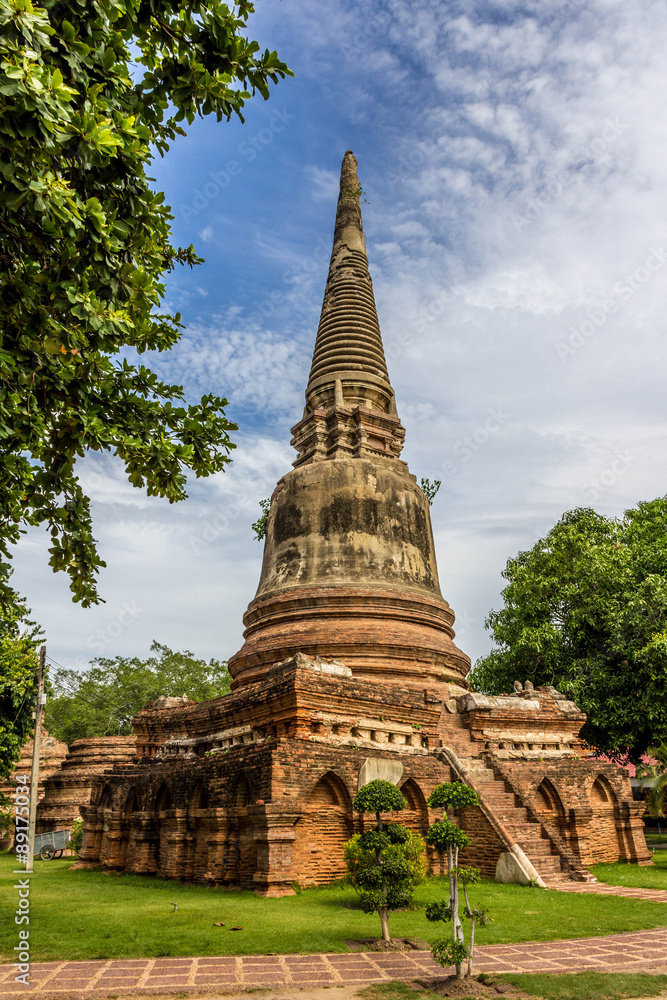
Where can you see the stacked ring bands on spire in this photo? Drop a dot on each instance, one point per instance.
(348, 337)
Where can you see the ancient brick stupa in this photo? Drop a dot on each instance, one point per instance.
(349, 565)
(349, 671)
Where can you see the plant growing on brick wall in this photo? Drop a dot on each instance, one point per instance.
(384, 864)
(448, 839)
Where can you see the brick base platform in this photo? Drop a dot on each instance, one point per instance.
(641, 951)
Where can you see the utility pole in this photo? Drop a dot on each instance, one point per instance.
(34, 777)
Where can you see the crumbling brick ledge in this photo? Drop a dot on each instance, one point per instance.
(639, 951)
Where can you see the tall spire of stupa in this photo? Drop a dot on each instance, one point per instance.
(350, 408)
(349, 569)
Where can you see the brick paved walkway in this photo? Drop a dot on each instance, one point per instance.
(641, 951)
(601, 888)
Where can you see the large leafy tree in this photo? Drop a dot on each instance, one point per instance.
(586, 610)
(19, 640)
(103, 700)
(89, 91)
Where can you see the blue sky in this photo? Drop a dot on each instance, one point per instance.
(512, 157)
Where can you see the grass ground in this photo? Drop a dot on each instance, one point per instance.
(650, 877)
(578, 986)
(87, 914)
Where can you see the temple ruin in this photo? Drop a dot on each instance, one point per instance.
(349, 671)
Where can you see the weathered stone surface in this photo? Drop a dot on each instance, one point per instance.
(381, 768)
(510, 870)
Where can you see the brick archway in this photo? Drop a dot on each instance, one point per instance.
(605, 840)
(415, 814)
(197, 834)
(321, 832)
(130, 806)
(162, 828)
(550, 806)
(239, 861)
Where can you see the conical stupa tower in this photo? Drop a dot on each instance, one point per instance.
(349, 569)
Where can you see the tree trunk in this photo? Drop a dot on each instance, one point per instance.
(456, 920)
(384, 921)
(472, 944)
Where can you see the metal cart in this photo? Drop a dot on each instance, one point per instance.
(51, 845)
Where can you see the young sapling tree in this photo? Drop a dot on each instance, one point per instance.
(385, 863)
(448, 839)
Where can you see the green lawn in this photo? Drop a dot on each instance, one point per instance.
(650, 877)
(87, 914)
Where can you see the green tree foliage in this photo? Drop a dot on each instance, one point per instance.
(359, 858)
(259, 527)
(385, 864)
(85, 243)
(448, 838)
(430, 489)
(103, 700)
(586, 610)
(654, 776)
(19, 661)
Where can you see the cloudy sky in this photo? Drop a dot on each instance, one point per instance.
(512, 156)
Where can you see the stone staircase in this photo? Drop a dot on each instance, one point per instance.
(522, 828)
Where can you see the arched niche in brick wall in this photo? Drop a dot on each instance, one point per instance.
(105, 800)
(199, 834)
(198, 800)
(415, 814)
(321, 832)
(162, 799)
(162, 828)
(129, 808)
(239, 853)
(605, 840)
(550, 806)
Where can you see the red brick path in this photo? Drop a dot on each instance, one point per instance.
(641, 951)
(602, 889)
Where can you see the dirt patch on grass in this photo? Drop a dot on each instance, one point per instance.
(396, 944)
(472, 988)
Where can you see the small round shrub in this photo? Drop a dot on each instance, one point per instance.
(444, 834)
(379, 796)
(453, 795)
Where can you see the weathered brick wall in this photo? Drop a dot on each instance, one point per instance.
(71, 786)
(589, 803)
(485, 846)
(256, 789)
(52, 754)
